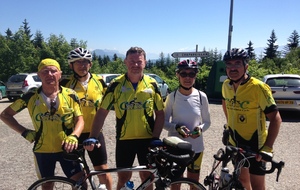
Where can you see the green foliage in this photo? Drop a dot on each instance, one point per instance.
(20, 53)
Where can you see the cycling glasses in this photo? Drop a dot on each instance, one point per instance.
(184, 74)
(52, 107)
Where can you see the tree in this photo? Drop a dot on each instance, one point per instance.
(293, 41)
(271, 50)
(250, 51)
(26, 29)
(115, 57)
(8, 33)
(38, 39)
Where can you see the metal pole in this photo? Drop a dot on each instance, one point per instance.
(230, 26)
(196, 59)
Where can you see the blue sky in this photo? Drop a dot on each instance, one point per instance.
(157, 25)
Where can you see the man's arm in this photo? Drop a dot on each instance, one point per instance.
(96, 127)
(274, 126)
(224, 109)
(7, 116)
(159, 123)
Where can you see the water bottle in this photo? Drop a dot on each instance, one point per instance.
(225, 177)
(102, 187)
(128, 186)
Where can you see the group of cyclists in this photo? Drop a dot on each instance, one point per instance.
(72, 111)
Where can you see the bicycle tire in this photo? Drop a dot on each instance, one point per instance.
(185, 184)
(216, 172)
(60, 183)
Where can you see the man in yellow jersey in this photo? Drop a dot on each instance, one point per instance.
(90, 89)
(246, 103)
(57, 119)
(136, 98)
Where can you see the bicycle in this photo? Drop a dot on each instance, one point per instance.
(167, 161)
(220, 178)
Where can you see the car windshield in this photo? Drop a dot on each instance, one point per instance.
(281, 82)
(17, 78)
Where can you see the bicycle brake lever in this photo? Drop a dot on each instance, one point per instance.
(281, 165)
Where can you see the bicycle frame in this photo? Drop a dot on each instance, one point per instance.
(154, 176)
(215, 180)
(164, 167)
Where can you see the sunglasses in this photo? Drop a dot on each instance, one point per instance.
(184, 74)
(52, 107)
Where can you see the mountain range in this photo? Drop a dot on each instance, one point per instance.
(110, 53)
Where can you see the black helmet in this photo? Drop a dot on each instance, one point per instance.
(236, 53)
(187, 64)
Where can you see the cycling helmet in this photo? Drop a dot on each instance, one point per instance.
(79, 53)
(187, 64)
(236, 53)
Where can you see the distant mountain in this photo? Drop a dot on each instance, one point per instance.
(109, 53)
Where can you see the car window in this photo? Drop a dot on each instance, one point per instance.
(36, 78)
(158, 80)
(109, 78)
(17, 78)
(281, 82)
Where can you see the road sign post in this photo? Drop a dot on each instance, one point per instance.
(190, 54)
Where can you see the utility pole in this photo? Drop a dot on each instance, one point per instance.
(230, 26)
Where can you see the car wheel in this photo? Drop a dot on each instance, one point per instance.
(10, 98)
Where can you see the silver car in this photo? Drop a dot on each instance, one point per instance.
(20, 84)
(163, 86)
(285, 89)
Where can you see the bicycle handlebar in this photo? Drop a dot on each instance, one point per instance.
(231, 151)
(183, 159)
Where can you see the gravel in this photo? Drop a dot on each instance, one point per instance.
(17, 167)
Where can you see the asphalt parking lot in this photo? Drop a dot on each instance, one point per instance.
(17, 169)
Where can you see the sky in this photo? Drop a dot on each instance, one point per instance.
(156, 25)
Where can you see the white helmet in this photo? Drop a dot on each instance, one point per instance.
(79, 53)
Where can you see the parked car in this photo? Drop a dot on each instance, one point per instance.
(21, 83)
(164, 88)
(108, 77)
(285, 89)
(2, 90)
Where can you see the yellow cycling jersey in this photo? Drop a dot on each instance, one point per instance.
(246, 110)
(133, 107)
(50, 128)
(90, 97)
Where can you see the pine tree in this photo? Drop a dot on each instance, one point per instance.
(26, 29)
(271, 50)
(250, 50)
(293, 41)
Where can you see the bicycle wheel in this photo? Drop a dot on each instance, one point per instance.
(185, 184)
(216, 172)
(57, 182)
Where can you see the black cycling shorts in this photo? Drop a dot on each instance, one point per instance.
(126, 150)
(99, 155)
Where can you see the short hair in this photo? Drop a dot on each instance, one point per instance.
(133, 50)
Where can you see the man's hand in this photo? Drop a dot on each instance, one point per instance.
(265, 154)
(70, 143)
(29, 135)
(155, 142)
(195, 133)
(182, 130)
(90, 143)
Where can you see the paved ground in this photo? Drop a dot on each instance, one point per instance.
(16, 162)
